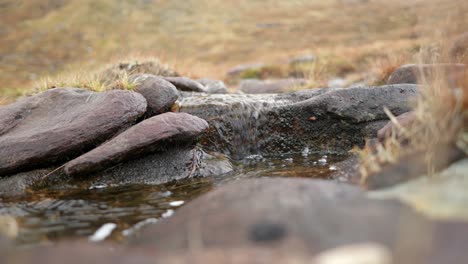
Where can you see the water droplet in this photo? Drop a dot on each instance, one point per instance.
(322, 161)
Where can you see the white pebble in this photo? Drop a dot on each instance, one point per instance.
(103, 232)
(176, 203)
(168, 213)
(333, 168)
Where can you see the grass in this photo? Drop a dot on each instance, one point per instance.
(205, 38)
(113, 76)
(441, 112)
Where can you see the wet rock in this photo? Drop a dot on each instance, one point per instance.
(60, 124)
(18, 184)
(304, 59)
(347, 170)
(153, 134)
(162, 167)
(253, 86)
(441, 196)
(404, 120)
(239, 69)
(412, 73)
(301, 214)
(336, 120)
(159, 93)
(324, 120)
(459, 49)
(185, 84)
(214, 86)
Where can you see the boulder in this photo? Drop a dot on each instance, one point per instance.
(323, 120)
(60, 124)
(185, 84)
(153, 134)
(415, 73)
(214, 86)
(162, 167)
(159, 93)
(300, 215)
(254, 86)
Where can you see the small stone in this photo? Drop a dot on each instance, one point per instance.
(185, 84)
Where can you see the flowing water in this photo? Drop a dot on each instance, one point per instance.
(48, 216)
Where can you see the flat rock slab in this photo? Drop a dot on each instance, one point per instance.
(60, 124)
(163, 167)
(306, 215)
(153, 134)
(186, 84)
(159, 93)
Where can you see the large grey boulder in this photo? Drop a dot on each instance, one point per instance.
(156, 133)
(322, 120)
(60, 124)
(159, 93)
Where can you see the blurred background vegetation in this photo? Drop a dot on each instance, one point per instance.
(353, 39)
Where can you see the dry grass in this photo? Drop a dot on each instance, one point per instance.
(205, 38)
(113, 76)
(441, 113)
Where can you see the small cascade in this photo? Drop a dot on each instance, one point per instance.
(237, 120)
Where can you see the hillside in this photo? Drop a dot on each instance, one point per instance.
(207, 37)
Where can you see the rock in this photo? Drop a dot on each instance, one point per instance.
(214, 86)
(441, 196)
(18, 184)
(159, 93)
(239, 69)
(253, 86)
(185, 84)
(300, 215)
(347, 170)
(413, 166)
(336, 120)
(459, 49)
(324, 120)
(404, 120)
(304, 59)
(60, 124)
(151, 135)
(411, 73)
(163, 167)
